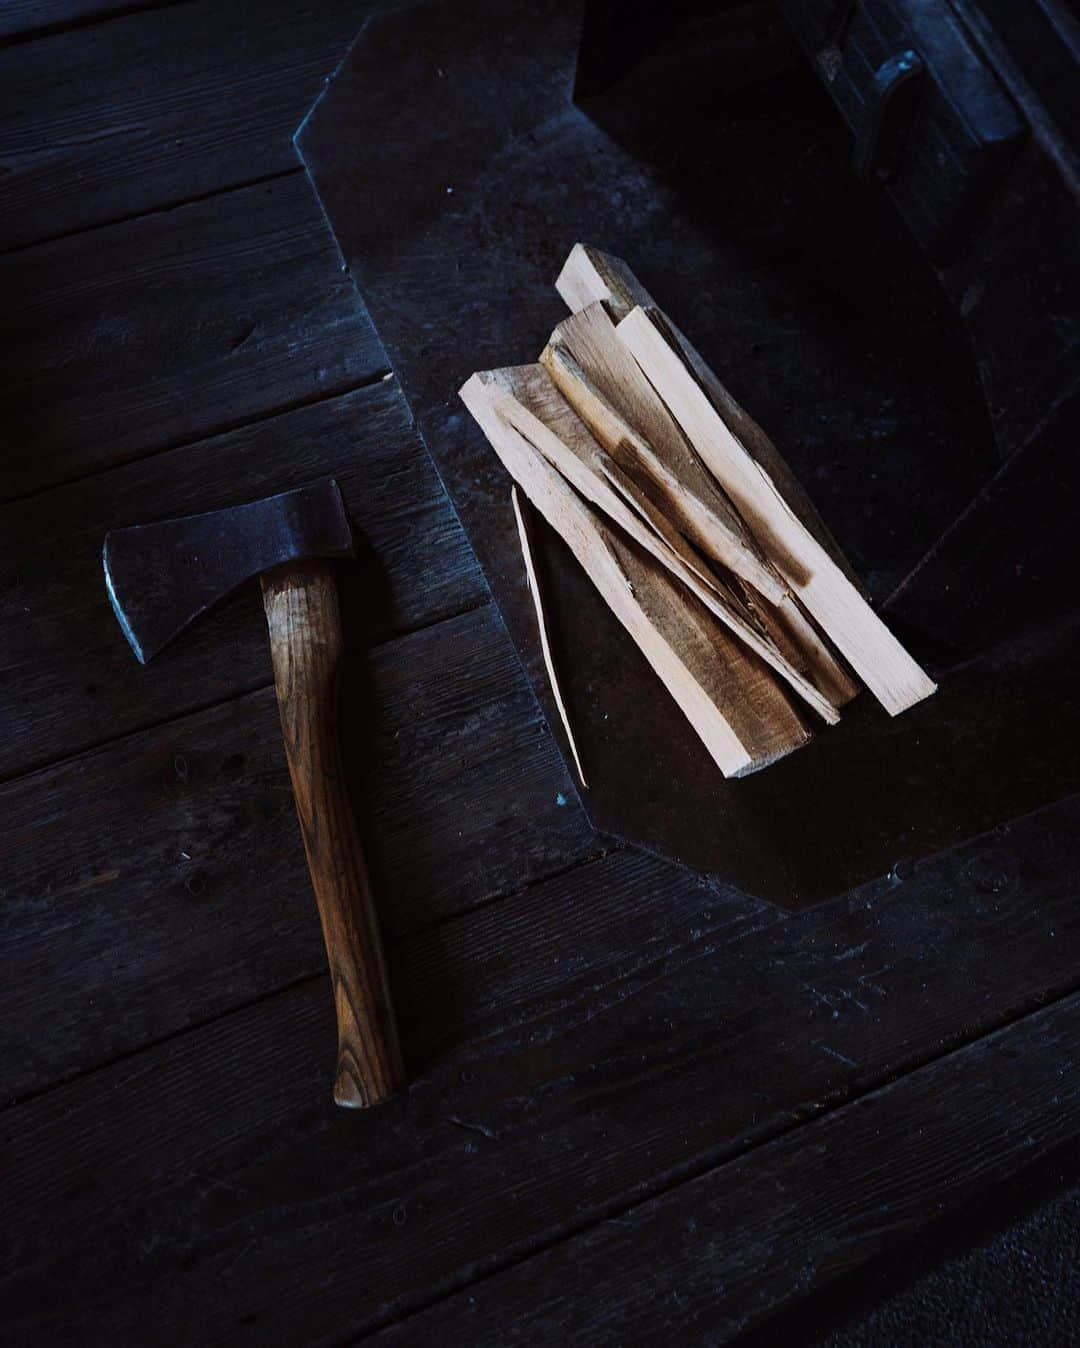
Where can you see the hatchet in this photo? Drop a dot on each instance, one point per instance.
(161, 577)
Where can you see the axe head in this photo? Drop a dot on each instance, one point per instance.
(160, 577)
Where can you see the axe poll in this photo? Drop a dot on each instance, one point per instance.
(160, 578)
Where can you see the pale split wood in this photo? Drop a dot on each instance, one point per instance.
(736, 708)
(524, 536)
(527, 398)
(795, 634)
(832, 600)
(590, 276)
(789, 628)
(608, 390)
(758, 444)
(307, 651)
(656, 520)
(605, 386)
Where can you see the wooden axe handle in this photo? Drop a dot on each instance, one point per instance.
(306, 646)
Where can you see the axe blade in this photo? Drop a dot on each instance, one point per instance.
(161, 577)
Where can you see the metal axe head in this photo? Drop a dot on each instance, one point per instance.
(160, 577)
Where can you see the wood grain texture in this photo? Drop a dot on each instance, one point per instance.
(876, 656)
(527, 398)
(590, 276)
(308, 654)
(722, 540)
(524, 528)
(69, 680)
(985, 579)
(607, 388)
(27, 19)
(624, 410)
(725, 1252)
(787, 328)
(572, 1050)
(618, 1009)
(740, 714)
(153, 108)
(158, 882)
(132, 338)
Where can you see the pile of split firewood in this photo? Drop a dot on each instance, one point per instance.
(689, 524)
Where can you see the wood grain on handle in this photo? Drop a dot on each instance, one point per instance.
(307, 650)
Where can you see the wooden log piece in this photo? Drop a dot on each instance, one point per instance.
(525, 537)
(590, 275)
(895, 679)
(528, 399)
(735, 706)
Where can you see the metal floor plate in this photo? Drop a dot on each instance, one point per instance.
(457, 173)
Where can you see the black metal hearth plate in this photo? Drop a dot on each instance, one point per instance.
(457, 173)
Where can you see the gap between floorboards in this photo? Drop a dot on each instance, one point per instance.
(47, 30)
(668, 1183)
(163, 209)
(49, 764)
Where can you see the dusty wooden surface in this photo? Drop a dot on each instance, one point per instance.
(824, 323)
(604, 1053)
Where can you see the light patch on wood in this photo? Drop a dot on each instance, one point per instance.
(735, 706)
(541, 622)
(862, 638)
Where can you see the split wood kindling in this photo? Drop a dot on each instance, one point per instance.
(689, 523)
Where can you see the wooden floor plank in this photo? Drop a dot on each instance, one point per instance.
(575, 1045)
(24, 19)
(68, 679)
(183, 323)
(109, 120)
(161, 881)
(724, 1252)
(234, 1095)
(238, 1205)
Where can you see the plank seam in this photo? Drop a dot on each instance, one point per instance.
(241, 185)
(559, 873)
(696, 1170)
(226, 428)
(47, 30)
(248, 690)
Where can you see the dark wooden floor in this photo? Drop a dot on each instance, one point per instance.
(636, 1102)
